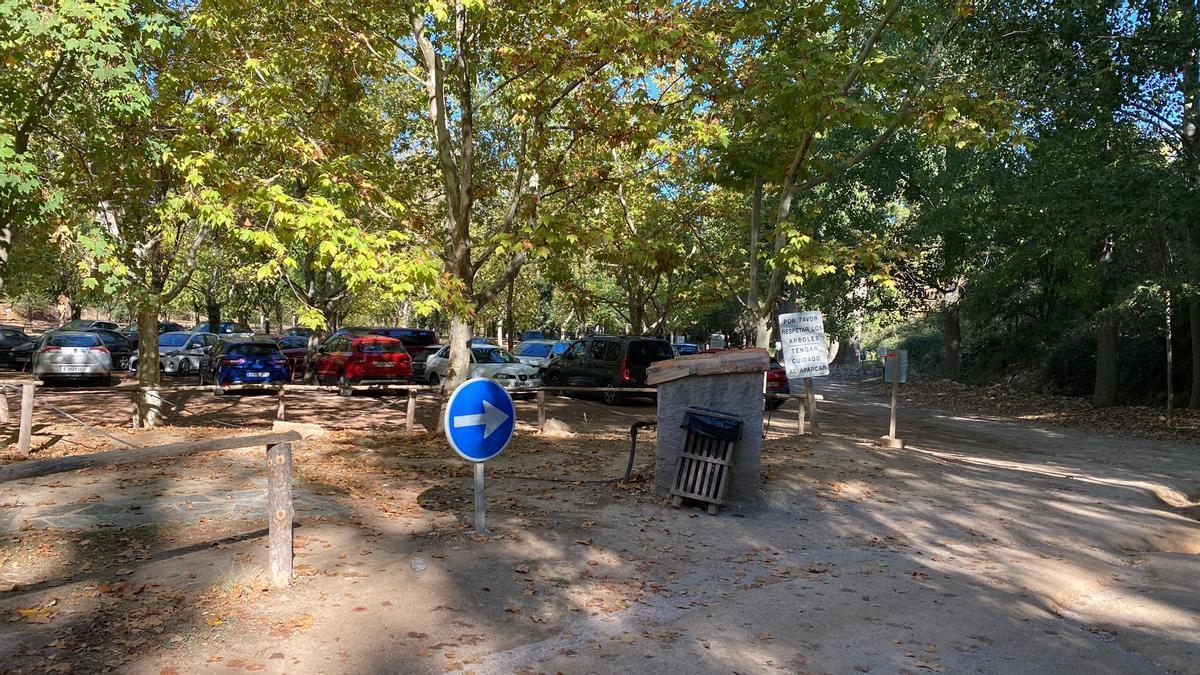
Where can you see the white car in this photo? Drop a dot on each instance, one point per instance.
(179, 353)
(491, 362)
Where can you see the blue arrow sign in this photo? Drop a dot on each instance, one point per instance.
(480, 419)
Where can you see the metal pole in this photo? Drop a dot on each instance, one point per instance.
(480, 526)
(895, 390)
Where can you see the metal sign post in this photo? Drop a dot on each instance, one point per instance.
(895, 370)
(479, 423)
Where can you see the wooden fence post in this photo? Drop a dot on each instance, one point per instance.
(26, 431)
(541, 399)
(279, 411)
(279, 507)
(410, 422)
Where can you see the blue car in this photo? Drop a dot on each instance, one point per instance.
(232, 362)
(686, 349)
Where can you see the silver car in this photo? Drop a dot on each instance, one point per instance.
(69, 355)
(179, 353)
(491, 362)
(538, 353)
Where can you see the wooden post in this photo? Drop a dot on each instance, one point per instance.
(5, 417)
(410, 415)
(280, 414)
(892, 423)
(279, 508)
(800, 418)
(541, 399)
(812, 407)
(26, 431)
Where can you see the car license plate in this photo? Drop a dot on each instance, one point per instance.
(384, 364)
(259, 374)
(72, 369)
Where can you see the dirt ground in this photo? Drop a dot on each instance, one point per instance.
(991, 544)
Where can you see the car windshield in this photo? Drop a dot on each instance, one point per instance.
(381, 347)
(649, 351)
(493, 356)
(252, 349)
(293, 342)
(172, 339)
(534, 349)
(76, 340)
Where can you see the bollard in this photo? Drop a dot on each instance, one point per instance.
(411, 414)
(541, 399)
(5, 417)
(280, 414)
(26, 431)
(280, 513)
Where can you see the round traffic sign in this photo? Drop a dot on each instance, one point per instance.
(480, 419)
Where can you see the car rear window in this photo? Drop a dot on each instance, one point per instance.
(649, 351)
(73, 341)
(253, 350)
(493, 355)
(534, 349)
(381, 347)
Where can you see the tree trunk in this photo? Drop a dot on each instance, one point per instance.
(763, 331)
(509, 323)
(1104, 393)
(212, 310)
(1194, 323)
(460, 359)
(952, 333)
(149, 408)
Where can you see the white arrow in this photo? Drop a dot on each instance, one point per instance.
(491, 418)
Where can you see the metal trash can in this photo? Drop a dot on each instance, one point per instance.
(706, 463)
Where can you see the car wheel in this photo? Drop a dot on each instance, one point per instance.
(551, 380)
(434, 380)
(314, 379)
(344, 386)
(184, 368)
(611, 397)
(775, 403)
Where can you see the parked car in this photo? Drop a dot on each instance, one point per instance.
(483, 340)
(231, 329)
(686, 348)
(415, 339)
(538, 353)
(777, 383)
(84, 324)
(180, 353)
(419, 360)
(71, 355)
(295, 348)
(131, 331)
(608, 362)
(9, 339)
(365, 359)
(532, 335)
(297, 331)
(22, 354)
(234, 361)
(487, 361)
(120, 348)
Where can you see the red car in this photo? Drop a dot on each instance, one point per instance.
(361, 359)
(777, 383)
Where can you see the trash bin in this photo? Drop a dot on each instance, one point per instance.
(704, 467)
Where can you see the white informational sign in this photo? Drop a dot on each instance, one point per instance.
(889, 365)
(716, 341)
(804, 351)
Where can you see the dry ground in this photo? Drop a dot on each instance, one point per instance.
(990, 545)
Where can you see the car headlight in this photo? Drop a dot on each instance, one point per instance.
(503, 376)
